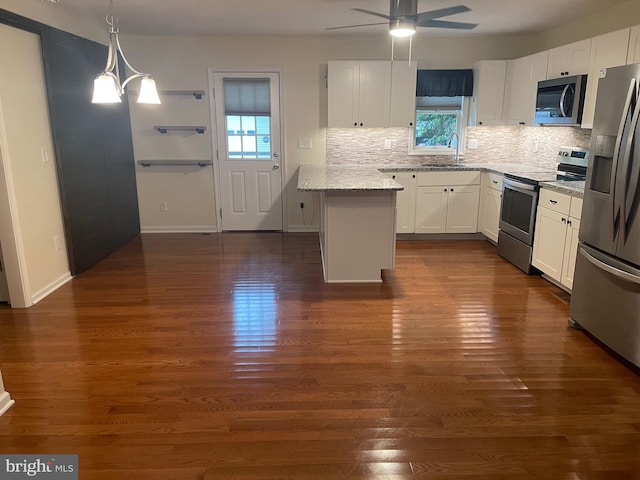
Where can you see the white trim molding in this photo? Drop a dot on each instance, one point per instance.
(52, 287)
(180, 229)
(5, 402)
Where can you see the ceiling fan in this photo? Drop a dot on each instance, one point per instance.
(403, 18)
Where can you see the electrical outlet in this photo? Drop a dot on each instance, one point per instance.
(387, 144)
(164, 207)
(301, 204)
(536, 145)
(473, 144)
(45, 155)
(57, 242)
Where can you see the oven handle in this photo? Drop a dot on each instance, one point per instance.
(563, 98)
(507, 182)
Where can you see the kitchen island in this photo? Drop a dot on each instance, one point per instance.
(357, 220)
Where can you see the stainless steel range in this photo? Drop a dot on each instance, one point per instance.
(520, 201)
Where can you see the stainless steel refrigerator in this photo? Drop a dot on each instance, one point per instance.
(605, 299)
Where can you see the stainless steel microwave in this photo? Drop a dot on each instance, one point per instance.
(560, 101)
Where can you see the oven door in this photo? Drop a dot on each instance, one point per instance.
(518, 210)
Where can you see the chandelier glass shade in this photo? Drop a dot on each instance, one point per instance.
(107, 87)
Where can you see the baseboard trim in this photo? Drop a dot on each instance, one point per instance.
(302, 229)
(52, 287)
(5, 402)
(186, 229)
(440, 236)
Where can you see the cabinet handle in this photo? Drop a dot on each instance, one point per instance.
(479, 123)
(355, 124)
(411, 124)
(413, 176)
(361, 124)
(495, 181)
(568, 222)
(564, 220)
(393, 176)
(553, 202)
(445, 189)
(452, 189)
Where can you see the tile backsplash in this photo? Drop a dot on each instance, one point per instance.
(529, 145)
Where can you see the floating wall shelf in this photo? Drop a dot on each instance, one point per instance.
(166, 128)
(197, 94)
(175, 163)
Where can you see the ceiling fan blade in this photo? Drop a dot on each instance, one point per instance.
(446, 24)
(371, 13)
(442, 12)
(354, 26)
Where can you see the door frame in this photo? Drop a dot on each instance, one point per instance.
(214, 139)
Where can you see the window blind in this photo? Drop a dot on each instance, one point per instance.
(444, 83)
(246, 96)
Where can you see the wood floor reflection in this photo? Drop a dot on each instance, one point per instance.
(226, 357)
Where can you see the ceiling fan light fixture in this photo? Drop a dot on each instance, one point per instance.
(401, 28)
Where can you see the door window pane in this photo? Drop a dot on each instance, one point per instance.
(249, 137)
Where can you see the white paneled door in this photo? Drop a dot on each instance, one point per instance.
(247, 114)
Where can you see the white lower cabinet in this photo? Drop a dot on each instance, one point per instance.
(490, 201)
(405, 202)
(555, 243)
(447, 202)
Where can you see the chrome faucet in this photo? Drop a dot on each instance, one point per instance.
(454, 134)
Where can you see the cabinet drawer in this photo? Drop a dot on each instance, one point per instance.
(493, 180)
(576, 207)
(558, 202)
(467, 177)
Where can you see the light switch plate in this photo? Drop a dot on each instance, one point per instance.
(305, 143)
(473, 144)
(387, 144)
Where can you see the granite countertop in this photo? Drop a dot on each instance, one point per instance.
(575, 189)
(323, 178)
(340, 178)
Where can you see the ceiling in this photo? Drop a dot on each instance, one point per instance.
(311, 17)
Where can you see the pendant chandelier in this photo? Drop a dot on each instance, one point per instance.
(107, 87)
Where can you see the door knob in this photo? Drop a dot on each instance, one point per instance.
(275, 166)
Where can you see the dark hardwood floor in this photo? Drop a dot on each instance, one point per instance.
(226, 357)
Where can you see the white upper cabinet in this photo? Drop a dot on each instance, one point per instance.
(403, 93)
(609, 50)
(487, 104)
(572, 59)
(523, 75)
(359, 93)
(633, 55)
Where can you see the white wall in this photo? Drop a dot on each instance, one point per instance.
(614, 18)
(182, 63)
(58, 15)
(31, 198)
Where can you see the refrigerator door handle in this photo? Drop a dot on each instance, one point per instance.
(615, 207)
(616, 272)
(632, 172)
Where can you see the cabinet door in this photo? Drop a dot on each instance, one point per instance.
(572, 59)
(343, 91)
(431, 209)
(570, 252)
(523, 77)
(490, 214)
(487, 104)
(633, 56)
(405, 202)
(609, 50)
(374, 99)
(403, 94)
(548, 243)
(462, 209)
